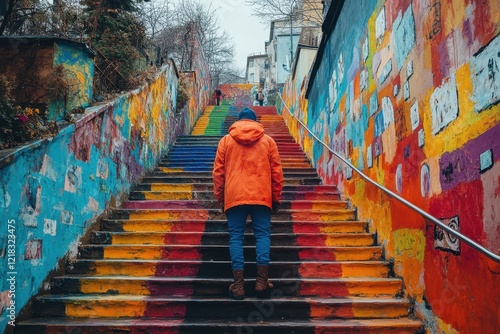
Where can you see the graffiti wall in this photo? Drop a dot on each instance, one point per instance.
(409, 92)
(199, 81)
(53, 190)
(238, 94)
(79, 68)
(60, 90)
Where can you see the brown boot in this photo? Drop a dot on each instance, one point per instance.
(262, 285)
(237, 289)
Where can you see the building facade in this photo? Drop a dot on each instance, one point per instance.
(256, 69)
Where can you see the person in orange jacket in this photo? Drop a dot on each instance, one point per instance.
(248, 180)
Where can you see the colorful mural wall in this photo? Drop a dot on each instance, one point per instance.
(199, 81)
(53, 190)
(238, 94)
(78, 64)
(59, 89)
(409, 92)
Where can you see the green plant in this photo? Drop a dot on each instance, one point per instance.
(7, 113)
(183, 92)
(19, 125)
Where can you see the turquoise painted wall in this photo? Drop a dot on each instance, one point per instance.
(52, 191)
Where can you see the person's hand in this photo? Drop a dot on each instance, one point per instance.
(276, 207)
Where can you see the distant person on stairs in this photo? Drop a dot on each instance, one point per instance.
(248, 180)
(260, 97)
(217, 96)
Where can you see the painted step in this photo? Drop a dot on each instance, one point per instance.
(209, 214)
(218, 287)
(221, 253)
(208, 164)
(151, 186)
(281, 140)
(119, 306)
(211, 149)
(179, 179)
(187, 160)
(169, 172)
(209, 195)
(143, 225)
(227, 326)
(193, 148)
(176, 171)
(222, 238)
(293, 205)
(198, 268)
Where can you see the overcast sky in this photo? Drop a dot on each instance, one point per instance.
(248, 34)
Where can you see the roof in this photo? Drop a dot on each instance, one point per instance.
(47, 40)
(257, 56)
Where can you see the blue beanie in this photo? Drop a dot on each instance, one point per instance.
(247, 113)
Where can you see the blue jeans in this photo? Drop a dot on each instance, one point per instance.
(261, 222)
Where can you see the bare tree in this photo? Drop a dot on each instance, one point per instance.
(25, 17)
(231, 74)
(306, 12)
(192, 18)
(156, 16)
(269, 10)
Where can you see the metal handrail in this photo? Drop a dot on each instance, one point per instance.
(415, 208)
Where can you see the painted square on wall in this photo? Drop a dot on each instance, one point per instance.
(446, 241)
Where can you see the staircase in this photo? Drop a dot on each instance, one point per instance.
(160, 263)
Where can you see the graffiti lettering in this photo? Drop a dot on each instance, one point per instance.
(435, 15)
(485, 74)
(33, 249)
(444, 105)
(444, 240)
(448, 173)
(400, 124)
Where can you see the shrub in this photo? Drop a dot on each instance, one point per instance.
(18, 124)
(183, 92)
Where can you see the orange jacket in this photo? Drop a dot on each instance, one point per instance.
(247, 168)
